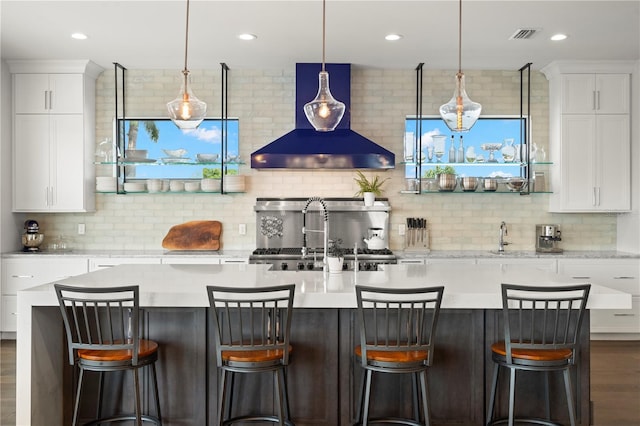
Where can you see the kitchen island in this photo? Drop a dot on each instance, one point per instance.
(323, 378)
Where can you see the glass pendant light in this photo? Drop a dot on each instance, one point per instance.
(460, 113)
(324, 112)
(186, 111)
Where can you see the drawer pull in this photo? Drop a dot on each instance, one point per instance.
(624, 278)
(105, 266)
(624, 315)
(581, 278)
(234, 261)
(21, 276)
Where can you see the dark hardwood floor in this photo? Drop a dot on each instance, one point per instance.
(615, 383)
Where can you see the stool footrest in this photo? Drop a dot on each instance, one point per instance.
(524, 420)
(122, 417)
(273, 419)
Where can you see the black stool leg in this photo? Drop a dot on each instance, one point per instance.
(78, 392)
(155, 382)
(367, 398)
(492, 399)
(100, 393)
(136, 386)
(512, 396)
(567, 385)
(222, 397)
(425, 397)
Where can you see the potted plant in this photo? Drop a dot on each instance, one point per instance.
(431, 176)
(369, 189)
(335, 256)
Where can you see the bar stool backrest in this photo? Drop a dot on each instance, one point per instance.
(252, 319)
(103, 318)
(543, 317)
(398, 320)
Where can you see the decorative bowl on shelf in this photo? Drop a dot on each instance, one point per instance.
(175, 153)
(207, 158)
(516, 184)
(135, 154)
(469, 183)
(447, 182)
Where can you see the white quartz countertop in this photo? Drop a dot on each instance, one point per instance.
(466, 286)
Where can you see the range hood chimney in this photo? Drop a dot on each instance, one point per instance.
(305, 148)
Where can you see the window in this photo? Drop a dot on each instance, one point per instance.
(499, 130)
(162, 150)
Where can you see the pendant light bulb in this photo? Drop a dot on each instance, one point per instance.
(460, 113)
(324, 112)
(186, 110)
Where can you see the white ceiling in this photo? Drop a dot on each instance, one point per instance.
(149, 34)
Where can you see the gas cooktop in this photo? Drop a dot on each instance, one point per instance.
(297, 251)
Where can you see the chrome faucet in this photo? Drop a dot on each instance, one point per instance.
(503, 233)
(324, 231)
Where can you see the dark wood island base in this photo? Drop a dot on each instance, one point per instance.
(323, 378)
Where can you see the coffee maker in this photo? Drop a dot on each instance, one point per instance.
(548, 239)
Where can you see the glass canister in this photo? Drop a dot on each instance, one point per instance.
(508, 150)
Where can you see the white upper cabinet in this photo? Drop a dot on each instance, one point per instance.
(590, 143)
(53, 135)
(49, 94)
(595, 94)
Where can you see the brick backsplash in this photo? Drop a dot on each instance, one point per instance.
(264, 102)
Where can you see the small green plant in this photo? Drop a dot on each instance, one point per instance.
(334, 248)
(366, 185)
(208, 173)
(432, 173)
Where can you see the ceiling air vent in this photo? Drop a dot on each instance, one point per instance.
(523, 34)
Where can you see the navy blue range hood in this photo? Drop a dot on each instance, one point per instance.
(305, 148)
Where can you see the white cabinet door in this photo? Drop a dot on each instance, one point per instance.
(595, 93)
(48, 93)
(595, 172)
(109, 262)
(514, 262)
(49, 163)
(32, 160)
(24, 273)
(619, 274)
(67, 164)
(193, 260)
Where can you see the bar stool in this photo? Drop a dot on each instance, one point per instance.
(397, 330)
(251, 329)
(541, 328)
(102, 329)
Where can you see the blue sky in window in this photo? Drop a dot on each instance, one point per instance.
(206, 139)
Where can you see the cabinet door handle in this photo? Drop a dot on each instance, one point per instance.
(234, 261)
(624, 278)
(597, 99)
(105, 266)
(21, 276)
(50, 99)
(624, 315)
(46, 99)
(581, 278)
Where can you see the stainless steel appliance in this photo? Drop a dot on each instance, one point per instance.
(548, 239)
(32, 238)
(280, 239)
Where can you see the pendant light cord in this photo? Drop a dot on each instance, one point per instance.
(324, 6)
(186, 47)
(460, 38)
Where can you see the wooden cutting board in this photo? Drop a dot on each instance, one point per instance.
(194, 235)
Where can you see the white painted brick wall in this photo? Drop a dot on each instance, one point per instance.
(264, 102)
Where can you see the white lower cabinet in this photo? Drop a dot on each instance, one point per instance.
(514, 262)
(97, 263)
(619, 274)
(24, 273)
(193, 260)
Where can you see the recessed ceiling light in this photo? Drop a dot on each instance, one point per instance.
(79, 36)
(558, 37)
(247, 36)
(392, 37)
